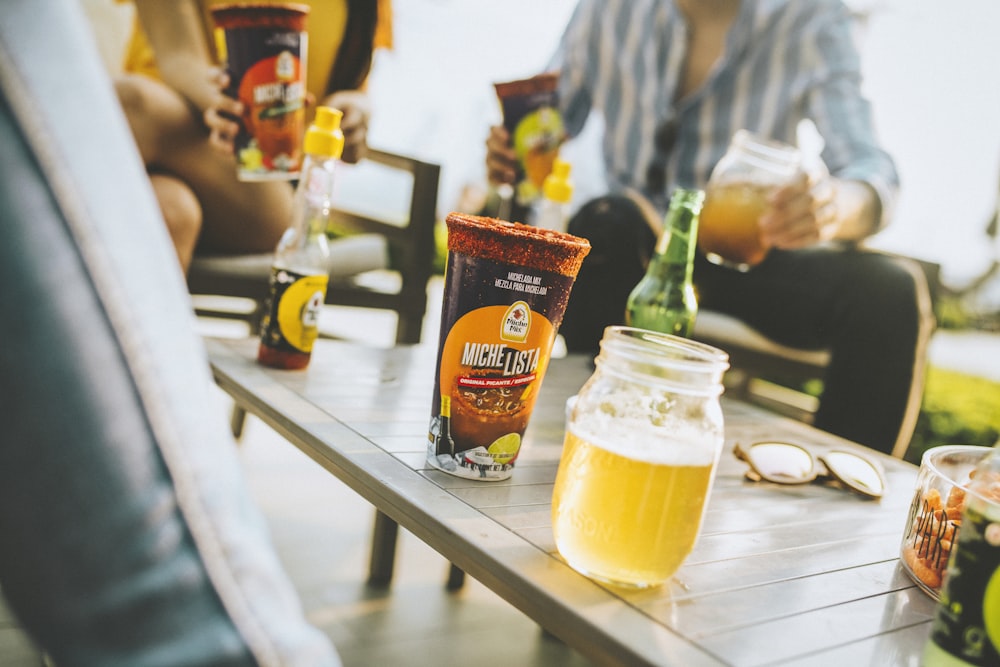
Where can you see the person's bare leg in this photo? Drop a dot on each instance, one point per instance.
(236, 217)
(182, 213)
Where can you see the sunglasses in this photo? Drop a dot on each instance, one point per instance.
(785, 463)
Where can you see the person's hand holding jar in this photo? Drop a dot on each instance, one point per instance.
(801, 213)
(761, 195)
(756, 179)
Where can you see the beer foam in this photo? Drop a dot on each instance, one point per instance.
(675, 442)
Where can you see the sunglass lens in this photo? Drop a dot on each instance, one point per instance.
(855, 472)
(782, 462)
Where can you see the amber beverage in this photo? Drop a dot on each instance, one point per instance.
(264, 47)
(506, 289)
(629, 514)
(643, 438)
(736, 197)
(729, 229)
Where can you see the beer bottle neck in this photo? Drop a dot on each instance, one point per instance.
(680, 229)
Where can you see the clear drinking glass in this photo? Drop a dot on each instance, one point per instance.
(736, 196)
(642, 442)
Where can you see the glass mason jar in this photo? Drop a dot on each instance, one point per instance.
(736, 196)
(643, 438)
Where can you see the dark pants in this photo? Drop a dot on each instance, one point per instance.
(871, 310)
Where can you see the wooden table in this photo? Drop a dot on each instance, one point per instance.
(805, 575)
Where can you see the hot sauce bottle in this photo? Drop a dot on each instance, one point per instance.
(300, 272)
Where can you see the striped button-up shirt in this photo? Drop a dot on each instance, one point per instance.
(785, 61)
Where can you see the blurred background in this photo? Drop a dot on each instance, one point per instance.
(931, 72)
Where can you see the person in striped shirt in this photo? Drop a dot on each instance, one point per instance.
(673, 81)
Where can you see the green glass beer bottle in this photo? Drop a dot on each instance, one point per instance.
(664, 300)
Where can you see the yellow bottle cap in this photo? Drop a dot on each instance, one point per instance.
(557, 186)
(324, 137)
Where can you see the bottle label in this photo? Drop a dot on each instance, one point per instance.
(967, 622)
(291, 319)
(266, 65)
(497, 329)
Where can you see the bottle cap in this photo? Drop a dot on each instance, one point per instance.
(557, 185)
(324, 137)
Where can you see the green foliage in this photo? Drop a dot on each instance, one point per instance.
(950, 313)
(956, 409)
(440, 247)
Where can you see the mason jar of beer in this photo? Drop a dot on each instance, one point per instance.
(643, 438)
(736, 197)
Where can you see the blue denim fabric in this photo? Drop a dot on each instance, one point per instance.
(127, 536)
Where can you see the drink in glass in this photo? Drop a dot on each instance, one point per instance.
(736, 197)
(629, 514)
(642, 442)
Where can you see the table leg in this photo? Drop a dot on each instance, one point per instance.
(383, 554)
(456, 578)
(237, 420)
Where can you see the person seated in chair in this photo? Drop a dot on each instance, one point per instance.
(674, 80)
(171, 91)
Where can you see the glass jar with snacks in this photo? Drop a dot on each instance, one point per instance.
(936, 511)
(966, 628)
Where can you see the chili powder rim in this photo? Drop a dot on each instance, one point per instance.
(289, 15)
(540, 83)
(516, 243)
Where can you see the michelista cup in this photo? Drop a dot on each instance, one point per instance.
(643, 439)
(264, 48)
(736, 196)
(506, 288)
(936, 512)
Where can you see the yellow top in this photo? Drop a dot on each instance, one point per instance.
(324, 137)
(330, 15)
(557, 186)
